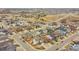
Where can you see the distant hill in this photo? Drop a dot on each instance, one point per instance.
(46, 10)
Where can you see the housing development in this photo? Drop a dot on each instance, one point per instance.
(39, 29)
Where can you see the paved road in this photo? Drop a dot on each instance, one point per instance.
(25, 46)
